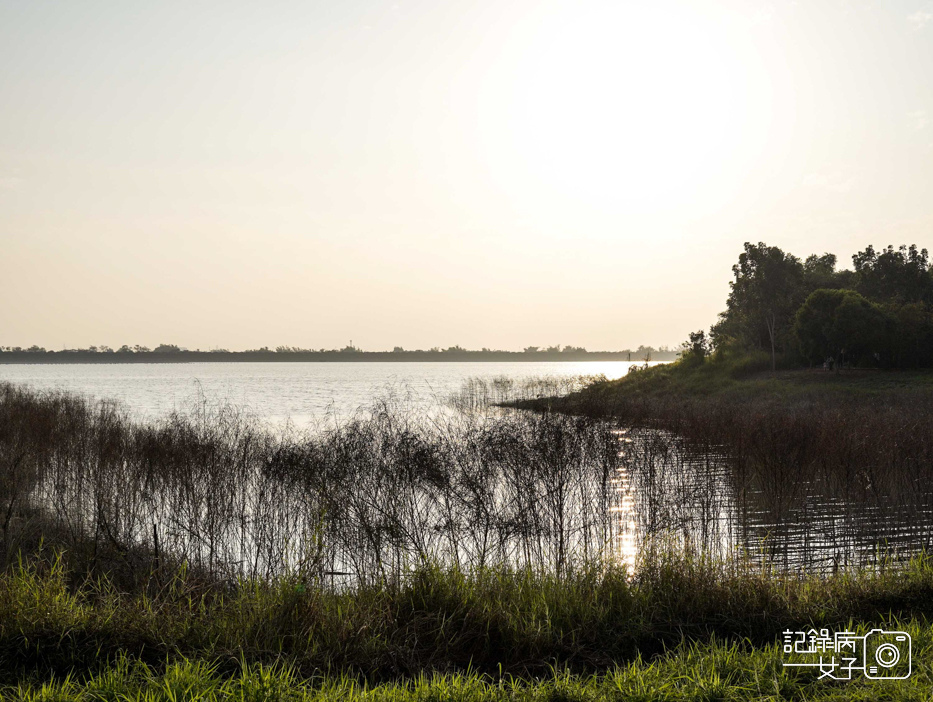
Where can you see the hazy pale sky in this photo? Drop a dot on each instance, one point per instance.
(493, 173)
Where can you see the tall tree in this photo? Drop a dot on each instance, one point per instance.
(766, 291)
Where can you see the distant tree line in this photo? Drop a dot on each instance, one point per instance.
(161, 348)
(349, 352)
(879, 314)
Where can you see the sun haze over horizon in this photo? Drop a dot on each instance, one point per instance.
(418, 174)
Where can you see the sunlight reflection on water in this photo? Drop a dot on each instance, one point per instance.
(703, 501)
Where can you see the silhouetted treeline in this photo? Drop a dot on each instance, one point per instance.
(170, 353)
(879, 314)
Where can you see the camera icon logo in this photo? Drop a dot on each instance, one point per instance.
(878, 655)
(887, 655)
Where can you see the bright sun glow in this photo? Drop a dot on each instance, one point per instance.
(634, 105)
(498, 173)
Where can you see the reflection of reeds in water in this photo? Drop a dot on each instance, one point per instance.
(813, 485)
(477, 394)
(387, 490)
(666, 495)
(371, 497)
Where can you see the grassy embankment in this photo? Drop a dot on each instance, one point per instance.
(740, 380)
(871, 425)
(446, 635)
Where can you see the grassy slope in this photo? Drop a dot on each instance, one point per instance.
(741, 381)
(719, 629)
(705, 672)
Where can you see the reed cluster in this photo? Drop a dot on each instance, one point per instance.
(361, 501)
(843, 465)
(478, 394)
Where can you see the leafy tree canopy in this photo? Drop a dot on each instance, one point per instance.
(899, 275)
(766, 290)
(839, 322)
(883, 307)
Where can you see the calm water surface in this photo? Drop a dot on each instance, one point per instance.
(662, 488)
(302, 392)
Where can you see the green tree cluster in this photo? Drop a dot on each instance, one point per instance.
(879, 313)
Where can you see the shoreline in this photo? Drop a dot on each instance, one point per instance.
(74, 358)
(780, 391)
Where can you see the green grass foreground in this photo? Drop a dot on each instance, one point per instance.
(707, 672)
(678, 629)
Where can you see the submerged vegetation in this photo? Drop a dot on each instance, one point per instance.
(361, 501)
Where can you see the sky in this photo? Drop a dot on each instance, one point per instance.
(482, 173)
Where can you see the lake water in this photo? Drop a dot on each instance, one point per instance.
(274, 392)
(660, 488)
(811, 520)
